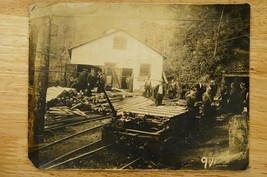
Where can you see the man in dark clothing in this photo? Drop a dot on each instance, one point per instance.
(159, 93)
(244, 96)
(172, 89)
(223, 98)
(100, 81)
(234, 102)
(207, 100)
(190, 98)
(208, 109)
(213, 88)
(192, 125)
(82, 81)
(91, 80)
(200, 90)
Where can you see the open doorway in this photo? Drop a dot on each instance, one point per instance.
(127, 80)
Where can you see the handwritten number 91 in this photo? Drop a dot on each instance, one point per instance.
(208, 162)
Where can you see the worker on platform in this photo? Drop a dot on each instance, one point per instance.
(129, 82)
(159, 93)
(147, 87)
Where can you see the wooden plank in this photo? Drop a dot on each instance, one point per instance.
(161, 112)
(163, 109)
(152, 114)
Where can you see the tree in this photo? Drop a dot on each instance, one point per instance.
(207, 41)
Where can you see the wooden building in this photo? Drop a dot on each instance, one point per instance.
(121, 55)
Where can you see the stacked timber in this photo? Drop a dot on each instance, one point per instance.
(69, 102)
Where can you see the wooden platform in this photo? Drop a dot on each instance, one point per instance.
(131, 103)
(142, 105)
(161, 111)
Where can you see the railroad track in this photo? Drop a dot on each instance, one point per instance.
(76, 157)
(131, 163)
(78, 122)
(59, 148)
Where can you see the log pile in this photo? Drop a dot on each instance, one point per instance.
(70, 102)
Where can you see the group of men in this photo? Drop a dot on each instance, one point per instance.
(235, 99)
(232, 100)
(86, 81)
(201, 97)
(160, 90)
(200, 101)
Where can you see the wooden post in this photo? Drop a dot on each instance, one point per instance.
(40, 43)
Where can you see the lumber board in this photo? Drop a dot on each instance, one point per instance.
(149, 113)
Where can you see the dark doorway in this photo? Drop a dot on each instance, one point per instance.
(126, 73)
(237, 80)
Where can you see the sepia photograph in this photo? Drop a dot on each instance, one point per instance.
(149, 86)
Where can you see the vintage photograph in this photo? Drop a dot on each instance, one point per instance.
(151, 86)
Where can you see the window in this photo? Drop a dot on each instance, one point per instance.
(145, 70)
(119, 43)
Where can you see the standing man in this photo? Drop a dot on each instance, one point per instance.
(91, 80)
(82, 81)
(244, 96)
(159, 93)
(234, 102)
(200, 90)
(173, 89)
(213, 88)
(147, 87)
(192, 125)
(190, 98)
(207, 108)
(206, 97)
(101, 82)
(129, 82)
(223, 98)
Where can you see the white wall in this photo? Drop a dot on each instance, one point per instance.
(101, 50)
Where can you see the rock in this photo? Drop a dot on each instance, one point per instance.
(238, 133)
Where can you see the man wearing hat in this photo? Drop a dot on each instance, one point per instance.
(159, 93)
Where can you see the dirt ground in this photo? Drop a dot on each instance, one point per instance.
(207, 149)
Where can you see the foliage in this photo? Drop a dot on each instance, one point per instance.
(206, 43)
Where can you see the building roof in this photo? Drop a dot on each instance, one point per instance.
(113, 31)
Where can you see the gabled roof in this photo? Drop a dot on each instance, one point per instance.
(111, 33)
